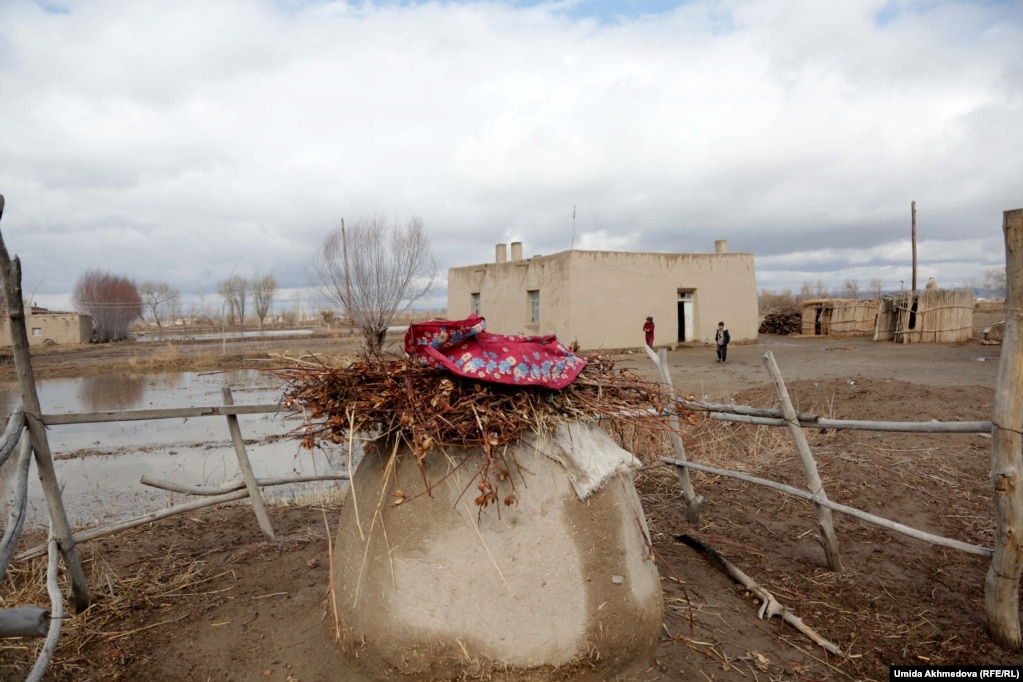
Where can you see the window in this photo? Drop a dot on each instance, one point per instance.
(534, 307)
(37, 331)
(476, 303)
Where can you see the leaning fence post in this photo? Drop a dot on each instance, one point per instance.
(693, 501)
(246, 468)
(1001, 587)
(824, 522)
(11, 271)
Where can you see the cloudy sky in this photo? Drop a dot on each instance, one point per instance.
(185, 141)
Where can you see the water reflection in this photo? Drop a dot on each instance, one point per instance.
(99, 465)
(103, 393)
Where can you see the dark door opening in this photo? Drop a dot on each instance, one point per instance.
(685, 316)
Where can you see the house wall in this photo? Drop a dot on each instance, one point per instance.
(503, 289)
(601, 298)
(57, 328)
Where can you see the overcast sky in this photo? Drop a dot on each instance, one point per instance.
(183, 141)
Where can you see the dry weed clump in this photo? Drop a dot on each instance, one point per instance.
(121, 603)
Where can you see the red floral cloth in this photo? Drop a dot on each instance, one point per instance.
(463, 347)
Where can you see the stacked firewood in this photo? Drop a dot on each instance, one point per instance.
(783, 322)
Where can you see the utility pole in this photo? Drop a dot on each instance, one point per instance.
(573, 229)
(913, 207)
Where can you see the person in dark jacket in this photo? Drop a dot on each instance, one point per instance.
(722, 338)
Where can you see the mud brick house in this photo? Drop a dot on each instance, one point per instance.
(50, 328)
(600, 299)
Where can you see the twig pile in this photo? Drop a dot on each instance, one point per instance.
(429, 408)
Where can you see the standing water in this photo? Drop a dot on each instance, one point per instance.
(99, 465)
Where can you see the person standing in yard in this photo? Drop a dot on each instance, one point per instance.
(648, 329)
(722, 338)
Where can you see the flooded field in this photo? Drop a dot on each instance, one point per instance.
(100, 464)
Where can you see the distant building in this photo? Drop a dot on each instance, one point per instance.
(933, 315)
(49, 328)
(601, 298)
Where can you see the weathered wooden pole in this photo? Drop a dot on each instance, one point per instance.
(825, 525)
(913, 210)
(693, 501)
(11, 271)
(246, 467)
(1001, 588)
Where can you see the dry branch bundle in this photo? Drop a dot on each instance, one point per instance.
(401, 400)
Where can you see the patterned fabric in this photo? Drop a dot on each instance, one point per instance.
(463, 347)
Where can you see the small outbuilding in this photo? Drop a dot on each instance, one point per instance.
(839, 317)
(46, 327)
(929, 316)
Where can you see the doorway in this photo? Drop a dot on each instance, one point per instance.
(685, 316)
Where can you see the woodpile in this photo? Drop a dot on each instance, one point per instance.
(783, 323)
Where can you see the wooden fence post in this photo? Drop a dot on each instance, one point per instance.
(824, 523)
(1001, 587)
(693, 501)
(61, 528)
(246, 468)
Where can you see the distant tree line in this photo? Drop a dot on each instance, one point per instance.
(370, 272)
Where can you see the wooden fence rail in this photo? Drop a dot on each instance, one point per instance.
(162, 413)
(745, 414)
(227, 492)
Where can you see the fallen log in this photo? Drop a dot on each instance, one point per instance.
(769, 606)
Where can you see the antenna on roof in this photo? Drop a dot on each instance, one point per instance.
(32, 298)
(573, 228)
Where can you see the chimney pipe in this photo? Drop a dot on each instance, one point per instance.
(516, 251)
(721, 246)
(502, 253)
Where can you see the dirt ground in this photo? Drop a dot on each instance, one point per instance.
(202, 596)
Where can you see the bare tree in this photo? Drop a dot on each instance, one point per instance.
(852, 288)
(112, 301)
(157, 297)
(994, 280)
(262, 290)
(372, 270)
(234, 290)
(805, 292)
(876, 285)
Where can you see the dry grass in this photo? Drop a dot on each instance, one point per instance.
(147, 592)
(160, 582)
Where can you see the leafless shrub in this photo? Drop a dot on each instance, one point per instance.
(159, 298)
(112, 301)
(235, 291)
(373, 269)
(262, 290)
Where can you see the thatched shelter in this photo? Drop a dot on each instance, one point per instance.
(928, 316)
(839, 317)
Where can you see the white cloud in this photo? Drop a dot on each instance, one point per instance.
(181, 140)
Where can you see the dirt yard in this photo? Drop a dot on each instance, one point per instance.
(203, 597)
